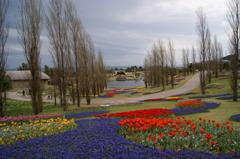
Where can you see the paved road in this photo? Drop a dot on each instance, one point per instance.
(191, 84)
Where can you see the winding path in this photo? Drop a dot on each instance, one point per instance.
(190, 85)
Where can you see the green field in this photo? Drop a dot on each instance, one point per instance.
(221, 114)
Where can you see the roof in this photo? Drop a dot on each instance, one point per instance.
(24, 75)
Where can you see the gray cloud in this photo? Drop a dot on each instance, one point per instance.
(126, 30)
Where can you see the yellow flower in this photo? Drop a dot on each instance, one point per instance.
(6, 129)
(0, 139)
(21, 131)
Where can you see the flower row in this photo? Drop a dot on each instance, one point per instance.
(139, 113)
(85, 114)
(23, 131)
(235, 117)
(190, 104)
(181, 134)
(94, 138)
(164, 99)
(33, 117)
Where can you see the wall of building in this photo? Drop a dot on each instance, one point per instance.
(25, 84)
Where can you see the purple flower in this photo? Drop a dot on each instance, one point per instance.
(33, 117)
(235, 117)
(85, 114)
(188, 111)
(94, 138)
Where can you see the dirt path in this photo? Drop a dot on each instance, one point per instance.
(190, 85)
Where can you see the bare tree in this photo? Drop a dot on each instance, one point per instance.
(220, 56)
(162, 56)
(193, 60)
(187, 60)
(166, 67)
(57, 28)
(215, 57)
(203, 34)
(3, 53)
(147, 71)
(156, 66)
(75, 33)
(234, 22)
(100, 73)
(209, 65)
(30, 24)
(184, 61)
(172, 62)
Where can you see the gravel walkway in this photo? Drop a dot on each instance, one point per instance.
(190, 85)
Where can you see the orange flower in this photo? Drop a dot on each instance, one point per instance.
(208, 136)
(172, 134)
(137, 139)
(155, 140)
(202, 131)
(194, 127)
(161, 134)
(213, 143)
(218, 125)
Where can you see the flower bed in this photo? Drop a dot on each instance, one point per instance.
(162, 99)
(179, 112)
(181, 134)
(220, 86)
(85, 114)
(174, 98)
(229, 97)
(190, 104)
(106, 96)
(210, 105)
(235, 117)
(184, 94)
(26, 118)
(24, 131)
(219, 95)
(120, 92)
(134, 92)
(94, 138)
(139, 113)
(109, 95)
(200, 96)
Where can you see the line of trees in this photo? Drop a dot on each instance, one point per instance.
(234, 36)
(210, 51)
(29, 27)
(77, 71)
(159, 64)
(76, 68)
(4, 29)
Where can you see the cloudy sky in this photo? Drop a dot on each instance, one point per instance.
(125, 30)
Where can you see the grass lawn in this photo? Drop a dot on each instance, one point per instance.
(221, 114)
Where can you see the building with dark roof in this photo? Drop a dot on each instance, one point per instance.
(20, 79)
